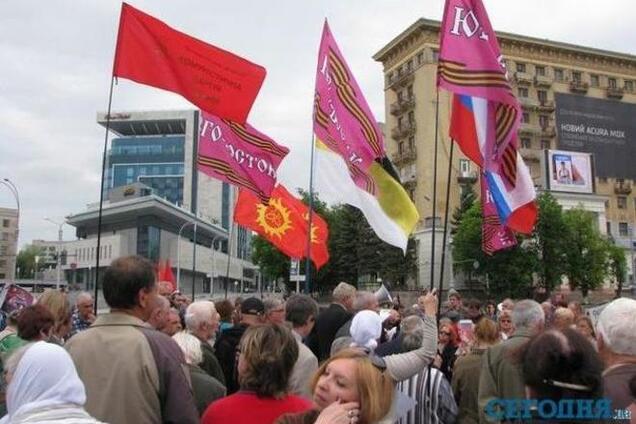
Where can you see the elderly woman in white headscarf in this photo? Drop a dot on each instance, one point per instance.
(43, 387)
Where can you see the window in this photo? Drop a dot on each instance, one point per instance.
(5, 236)
(525, 117)
(412, 142)
(435, 55)
(629, 86)
(464, 166)
(420, 58)
(542, 95)
(611, 82)
(623, 229)
(400, 96)
(540, 70)
(3, 250)
(594, 81)
(412, 194)
(523, 92)
(409, 65)
(621, 202)
(401, 122)
(3, 263)
(389, 77)
(544, 120)
(545, 144)
(521, 67)
(5, 223)
(401, 147)
(608, 227)
(526, 143)
(558, 74)
(409, 92)
(576, 76)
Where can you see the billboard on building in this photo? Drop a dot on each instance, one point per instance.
(605, 128)
(569, 171)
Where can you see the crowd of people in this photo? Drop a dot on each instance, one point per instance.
(157, 357)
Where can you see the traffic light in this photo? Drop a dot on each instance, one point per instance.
(63, 256)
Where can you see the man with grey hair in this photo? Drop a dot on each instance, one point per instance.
(301, 311)
(159, 315)
(435, 392)
(83, 315)
(202, 321)
(363, 301)
(501, 375)
(331, 319)
(274, 310)
(616, 337)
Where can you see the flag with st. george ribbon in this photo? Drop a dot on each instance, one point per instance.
(515, 202)
(351, 165)
(239, 154)
(494, 236)
(150, 52)
(283, 221)
(471, 64)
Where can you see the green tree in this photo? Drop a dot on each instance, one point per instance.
(586, 251)
(466, 200)
(26, 262)
(549, 241)
(272, 262)
(618, 266)
(509, 272)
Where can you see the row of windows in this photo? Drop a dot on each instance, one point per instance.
(542, 95)
(410, 65)
(526, 143)
(561, 74)
(88, 253)
(544, 119)
(404, 145)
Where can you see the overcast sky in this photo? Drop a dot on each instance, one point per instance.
(56, 61)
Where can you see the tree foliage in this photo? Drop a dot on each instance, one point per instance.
(549, 243)
(26, 262)
(354, 249)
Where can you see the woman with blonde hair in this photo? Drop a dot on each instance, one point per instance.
(57, 303)
(267, 354)
(504, 323)
(356, 386)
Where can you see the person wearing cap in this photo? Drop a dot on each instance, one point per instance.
(252, 313)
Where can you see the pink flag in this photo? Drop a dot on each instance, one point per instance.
(239, 154)
(494, 236)
(342, 118)
(470, 63)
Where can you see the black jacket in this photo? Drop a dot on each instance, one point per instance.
(226, 347)
(328, 323)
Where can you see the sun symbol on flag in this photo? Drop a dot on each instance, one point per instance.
(314, 229)
(274, 218)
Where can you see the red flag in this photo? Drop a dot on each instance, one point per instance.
(150, 52)
(283, 222)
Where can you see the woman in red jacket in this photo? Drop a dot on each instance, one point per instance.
(267, 354)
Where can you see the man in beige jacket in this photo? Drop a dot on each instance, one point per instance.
(132, 373)
(301, 311)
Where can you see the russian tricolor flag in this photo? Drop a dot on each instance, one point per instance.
(472, 127)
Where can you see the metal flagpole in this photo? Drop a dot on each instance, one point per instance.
(101, 193)
(448, 183)
(194, 259)
(309, 221)
(229, 250)
(434, 202)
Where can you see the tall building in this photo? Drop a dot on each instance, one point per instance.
(159, 149)
(8, 242)
(574, 98)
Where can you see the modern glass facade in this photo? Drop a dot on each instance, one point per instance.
(149, 242)
(157, 161)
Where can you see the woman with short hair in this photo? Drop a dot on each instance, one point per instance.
(59, 305)
(267, 354)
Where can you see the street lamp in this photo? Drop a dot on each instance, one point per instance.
(179, 251)
(16, 194)
(59, 250)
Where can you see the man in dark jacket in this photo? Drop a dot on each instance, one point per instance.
(202, 321)
(331, 319)
(252, 313)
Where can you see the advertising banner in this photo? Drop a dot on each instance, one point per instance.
(570, 171)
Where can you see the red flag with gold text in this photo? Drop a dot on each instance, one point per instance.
(150, 52)
(283, 221)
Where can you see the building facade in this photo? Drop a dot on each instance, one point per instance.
(541, 72)
(159, 149)
(8, 242)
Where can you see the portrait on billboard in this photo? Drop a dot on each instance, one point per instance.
(570, 171)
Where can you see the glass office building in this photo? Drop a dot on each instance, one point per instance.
(156, 161)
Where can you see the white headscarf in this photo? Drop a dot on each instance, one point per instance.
(44, 377)
(366, 328)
